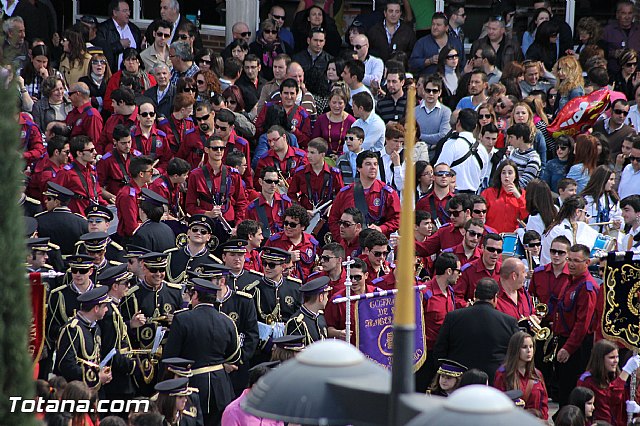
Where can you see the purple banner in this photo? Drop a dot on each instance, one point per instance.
(374, 330)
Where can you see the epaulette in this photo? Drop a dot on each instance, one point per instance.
(107, 155)
(428, 295)
(585, 375)
(539, 268)
(243, 294)
(241, 141)
(300, 168)
(275, 237)
(79, 215)
(448, 250)
(190, 413)
(161, 133)
(116, 245)
(40, 214)
(286, 197)
(300, 318)
(73, 323)
(502, 368)
(294, 279)
(53, 246)
(164, 184)
(590, 286)
(265, 155)
(299, 152)
(465, 266)
(253, 204)
(163, 122)
(136, 153)
(32, 200)
(179, 311)
(132, 290)
(215, 259)
(445, 224)
(115, 263)
(256, 272)
(387, 188)
(377, 280)
(171, 249)
(78, 243)
(173, 285)
(344, 188)
(68, 166)
(90, 112)
(132, 192)
(189, 131)
(93, 167)
(58, 289)
(335, 170)
(189, 119)
(314, 241)
(251, 286)
(304, 113)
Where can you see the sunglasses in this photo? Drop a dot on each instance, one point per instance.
(189, 89)
(216, 148)
(270, 181)
(148, 114)
(630, 64)
(501, 104)
(205, 61)
(442, 173)
(474, 234)
(273, 32)
(358, 46)
(431, 91)
(345, 223)
(356, 277)
(155, 270)
(632, 158)
(223, 128)
(203, 118)
(380, 253)
(350, 138)
(183, 36)
(288, 224)
(200, 82)
(279, 17)
(487, 116)
(557, 252)
(80, 270)
(327, 258)
(562, 147)
(98, 62)
(163, 35)
(476, 211)
(454, 56)
(454, 213)
(246, 34)
(200, 231)
(532, 245)
(493, 250)
(271, 265)
(89, 150)
(621, 112)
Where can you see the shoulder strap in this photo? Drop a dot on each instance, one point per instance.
(176, 134)
(327, 183)
(123, 168)
(140, 148)
(473, 150)
(262, 215)
(92, 197)
(360, 202)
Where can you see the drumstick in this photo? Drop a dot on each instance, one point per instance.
(601, 223)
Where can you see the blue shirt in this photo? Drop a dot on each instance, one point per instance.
(425, 48)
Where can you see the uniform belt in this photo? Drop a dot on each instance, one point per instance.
(208, 369)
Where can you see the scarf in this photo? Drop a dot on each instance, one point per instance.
(269, 50)
(142, 76)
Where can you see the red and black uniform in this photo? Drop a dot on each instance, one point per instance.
(445, 237)
(192, 147)
(43, 171)
(269, 217)
(155, 146)
(458, 250)
(83, 181)
(30, 140)
(163, 186)
(336, 285)
(383, 207)
(113, 170)
(127, 205)
(434, 205)
(524, 307)
(471, 273)
(105, 142)
(547, 287)
(294, 158)
(237, 143)
(308, 248)
(310, 189)
(609, 401)
(298, 117)
(373, 274)
(576, 307)
(176, 130)
(335, 314)
(534, 391)
(252, 261)
(436, 306)
(385, 282)
(205, 189)
(85, 120)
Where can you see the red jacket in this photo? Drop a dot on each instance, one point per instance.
(458, 250)
(192, 147)
(504, 209)
(300, 121)
(111, 170)
(335, 314)
(436, 306)
(373, 275)
(163, 186)
(323, 186)
(547, 287)
(472, 272)
(273, 214)
(446, 236)
(576, 307)
(252, 261)
(610, 401)
(127, 205)
(30, 139)
(294, 158)
(439, 206)
(105, 142)
(155, 145)
(85, 120)
(524, 307)
(114, 83)
(176, 131)
(336, 285)
(308, 248)
(83, 181)
(383, 203)
(200, 199)
(352, 249)
(43, 171)
(534, 391)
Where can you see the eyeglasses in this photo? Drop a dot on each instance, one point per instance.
(273, 32)
(562, 147)
(183, 36)
(271, 265)
(89, 150)
(223, 128)
(148, 114)
(555, 252)
(200, 231)
(163, 35)
(632, 158)
(327, 258)
(270, 181)
(216, 148)
(501, 104)
(630, 64)
(96, 221)
(288, 224)
(80, 270)
(73, 93)
(278, 17)
(474, 234)
(454, 213)
(532, 245)
(454, 56)
(431, 91)
(442, 173)
(155, 270)
(203, 118)
(493, 250)
(98, 62)
(345, 223)
(379, 253)
(189, 89)
(200, 82)
(486, 116)
(356, 277)
(621, 112)
(246, 34)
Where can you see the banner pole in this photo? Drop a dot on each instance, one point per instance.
(347, 293)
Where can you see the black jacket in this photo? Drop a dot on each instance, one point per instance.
(476, 336)
(110, 37)
(165, 107)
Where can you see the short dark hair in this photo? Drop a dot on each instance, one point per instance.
(486, 289)
(520, 130)
(319, 144)
(444, 262)
(363, 100)
(434, 79)
(490, 236)
(363, 156)
(489, 54)
(468, 119)
(357, 215)
(289, 82)
(120, 131)
(226, 116)
(375, 238)
(474, 221)
(356, 131)
(203, 106)
(624, 102)
(581, 248)
(489, 128)
(334, 248)
(565, 182)
(56, 142)
(562, 240)
(153, 211)
(250, 57)
(460, 200)
(161, 23)
(232, 67)
(531, 235)
(124, 94)
(247, 227)
(632, 201)
(356, 67)
(139, 164)
(77, 144)
(267, 169)
(359, 264)
(296, 211)
(234, 158)
(178, 166)
(421, 215)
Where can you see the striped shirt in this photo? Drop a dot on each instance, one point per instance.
(528, 163)
(390, 110)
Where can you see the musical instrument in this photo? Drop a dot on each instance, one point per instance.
(511, 245)
(317, 221)
(602, 245)
(283, 185)
(532, 323)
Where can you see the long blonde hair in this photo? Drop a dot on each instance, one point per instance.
(573, 73)
(530, 123)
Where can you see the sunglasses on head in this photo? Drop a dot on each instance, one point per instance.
(80, 270)
(148, 114)
(493, 250)
(557, 252)
(271, 265)
(380, 253)
(288, 224)
(155, 270)
(357, 277)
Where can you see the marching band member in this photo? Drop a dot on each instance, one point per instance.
(309, 320)
(99, 219)
(374, 253)
(233, 257)
(95, 245)
(451, 233)
(488, 266)
(436, 200)
(251, 232)
(479, 211)
(126, 201)
(549, 280)
(113, 167)
(170, 185)
(171, 401)
(447, 378)
(513, 299)
(152, 234)
(351, 223)
(469, 249)
(331, 262)
(268, 209)
(286, 159)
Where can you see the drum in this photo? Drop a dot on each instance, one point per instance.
(511, 245)
(603, 245)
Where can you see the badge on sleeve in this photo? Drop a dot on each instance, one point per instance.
(376, 202)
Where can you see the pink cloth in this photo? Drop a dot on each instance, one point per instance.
(234, 415)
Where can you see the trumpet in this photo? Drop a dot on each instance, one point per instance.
(539, 332)
(541, 309)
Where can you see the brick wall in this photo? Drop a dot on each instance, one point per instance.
(215, 42)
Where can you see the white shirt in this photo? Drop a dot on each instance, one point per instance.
(634, 117)
(629, 182)
(360, 89)
(469, 173)
(125, 32)
(373, 70)
(393, 175)
(623, 242)
(374, 129)
(585, 234)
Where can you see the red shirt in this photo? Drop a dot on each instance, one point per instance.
(385, 282)
(446, 236)
(458, 250)
(308, 248)
(199, 199)
(192, 147)
(335, 313)
(155, 145)
(43, 171)
(547, 287)
(176, 131)
(324, 186)
(473, 272)
(373, 274)
(274, 214)
(110, 170)
(163, 186)
(299, 118)
(576, 307)
(85, 120)
(30, 139)
(383, 203)
(252, 261)
(83, 181)
(504, 209)
(350, 249)
(293, 158)
(105, 142)
(536, 399)
(524, 307)
(439, 208)
(127, 205)
(609, 401)
(436, 306)
(336, 285)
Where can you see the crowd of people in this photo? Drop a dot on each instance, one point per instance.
(199, 206)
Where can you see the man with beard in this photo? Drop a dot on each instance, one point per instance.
(469, 249)
(478, 84)
(392, 107)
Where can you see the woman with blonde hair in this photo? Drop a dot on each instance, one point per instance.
(569, 81)
(522, 113)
